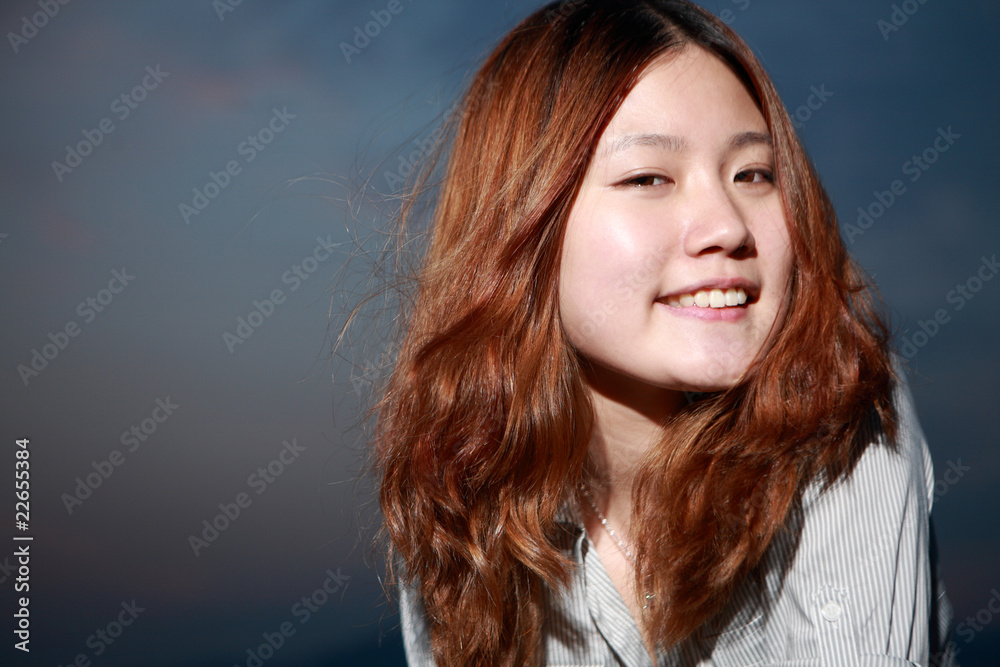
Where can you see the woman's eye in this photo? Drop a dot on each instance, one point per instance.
(755, 176)
(645, 180)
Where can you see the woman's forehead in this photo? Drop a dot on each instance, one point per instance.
(681, 96)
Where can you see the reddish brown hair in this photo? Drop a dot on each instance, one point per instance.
(484, 423)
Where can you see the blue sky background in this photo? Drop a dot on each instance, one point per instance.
(63, 235)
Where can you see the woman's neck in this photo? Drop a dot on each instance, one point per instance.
(628, 420)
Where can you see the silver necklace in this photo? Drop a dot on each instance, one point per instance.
(604, 522)
(611, 531)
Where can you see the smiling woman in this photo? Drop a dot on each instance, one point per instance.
(644, 410)
(685, 167)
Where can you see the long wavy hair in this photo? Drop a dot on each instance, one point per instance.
(483, 426)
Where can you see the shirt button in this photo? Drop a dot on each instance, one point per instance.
(831, 611)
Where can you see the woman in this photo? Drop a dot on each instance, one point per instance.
(644, 410)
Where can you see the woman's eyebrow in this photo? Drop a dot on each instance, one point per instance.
(744, 139)
(675, 144)
(667, 142)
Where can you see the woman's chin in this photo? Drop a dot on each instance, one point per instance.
(716, 378)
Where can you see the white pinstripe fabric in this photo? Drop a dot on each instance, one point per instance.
(850, 584)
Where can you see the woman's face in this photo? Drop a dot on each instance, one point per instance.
(676, 259)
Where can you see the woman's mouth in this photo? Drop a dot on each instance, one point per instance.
(709, 298)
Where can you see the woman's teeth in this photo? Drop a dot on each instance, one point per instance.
(714, 298)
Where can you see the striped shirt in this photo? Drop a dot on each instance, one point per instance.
(852, 583)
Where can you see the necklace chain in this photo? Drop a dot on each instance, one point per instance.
(607, 526)
(611, 531)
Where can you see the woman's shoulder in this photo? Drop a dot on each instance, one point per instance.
(899, 469)
(857, 562)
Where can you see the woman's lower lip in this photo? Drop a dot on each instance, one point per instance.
(727, 314)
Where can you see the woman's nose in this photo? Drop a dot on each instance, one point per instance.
(716, 224)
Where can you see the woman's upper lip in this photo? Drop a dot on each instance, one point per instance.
(748, 286)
